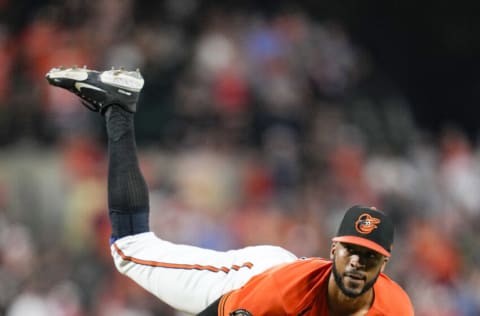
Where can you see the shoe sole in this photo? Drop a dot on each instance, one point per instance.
(128, 80)
(74, 74)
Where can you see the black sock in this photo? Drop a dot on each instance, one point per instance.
(127, 191)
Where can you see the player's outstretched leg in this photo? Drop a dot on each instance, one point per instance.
(114, 94)
(185, 277)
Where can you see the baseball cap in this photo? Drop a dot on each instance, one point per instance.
(366, 227)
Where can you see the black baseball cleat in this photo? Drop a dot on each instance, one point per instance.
(98, 90)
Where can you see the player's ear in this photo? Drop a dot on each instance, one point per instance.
(333, 249)
(384, 264)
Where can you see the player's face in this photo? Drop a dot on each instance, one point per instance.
(355, 268)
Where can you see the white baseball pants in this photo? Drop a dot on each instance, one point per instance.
(190, 278)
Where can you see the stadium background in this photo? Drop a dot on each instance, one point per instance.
(259, 123)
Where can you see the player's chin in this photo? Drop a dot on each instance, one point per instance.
(353, 287)
(352, 293)
(354, 283)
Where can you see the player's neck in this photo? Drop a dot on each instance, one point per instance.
(341, 305)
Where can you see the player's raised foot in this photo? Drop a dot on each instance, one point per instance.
(98, 90)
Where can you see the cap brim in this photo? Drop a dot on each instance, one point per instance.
(359, 241)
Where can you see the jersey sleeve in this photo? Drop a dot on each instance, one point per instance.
(255, 298)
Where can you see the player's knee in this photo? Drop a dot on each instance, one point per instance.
(272, 255)
(282, 253)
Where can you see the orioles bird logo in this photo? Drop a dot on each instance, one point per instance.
(366, 223)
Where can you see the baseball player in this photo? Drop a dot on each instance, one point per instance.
(260, 280)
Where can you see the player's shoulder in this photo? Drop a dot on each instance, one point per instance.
(390, 295)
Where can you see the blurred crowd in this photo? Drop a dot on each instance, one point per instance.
(255, 127)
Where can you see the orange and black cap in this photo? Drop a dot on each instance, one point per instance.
(366, 227)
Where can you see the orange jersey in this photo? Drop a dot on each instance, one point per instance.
(300, 288)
